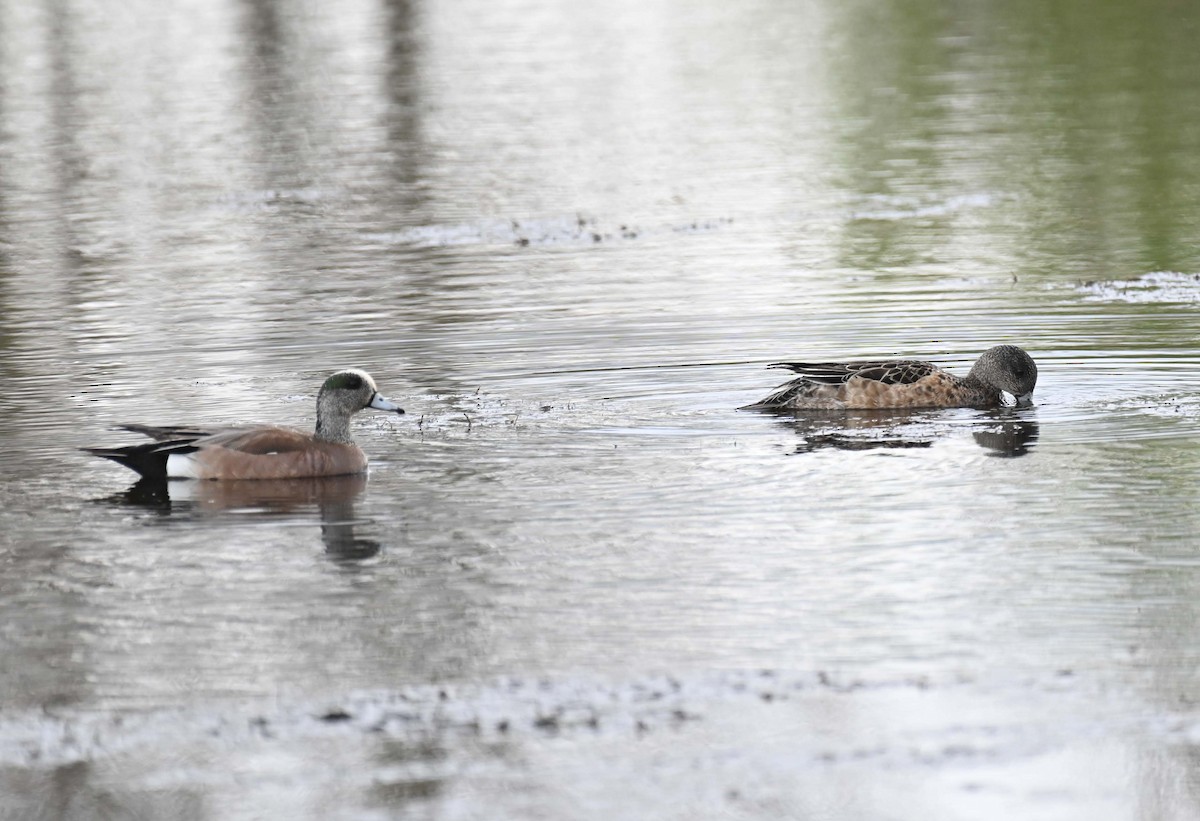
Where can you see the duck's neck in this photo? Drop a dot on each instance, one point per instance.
(985, 393)
(333, 425)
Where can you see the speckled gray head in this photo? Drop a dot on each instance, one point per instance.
(1009, 369)
(342, 395)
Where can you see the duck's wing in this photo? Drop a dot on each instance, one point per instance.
(892, 372)
(167, 434)
(238, 447)
(247, 439)
(268, 453)
(258, 440)
(786, 395)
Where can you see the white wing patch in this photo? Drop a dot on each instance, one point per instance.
(182, 466)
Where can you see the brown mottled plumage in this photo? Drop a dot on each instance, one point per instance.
(905, 384)
(262, 452)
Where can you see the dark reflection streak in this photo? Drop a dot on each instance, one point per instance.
(7, 212)
(267, 84)
(46, 201)
(405, 202)
(69, 159)
(8, 362)
(80, 790)
(279, 109)
(403, 95)
(58, 668)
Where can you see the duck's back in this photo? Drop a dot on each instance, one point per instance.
(872, 385)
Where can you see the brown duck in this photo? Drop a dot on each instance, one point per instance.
(905, 384)
(261, 452)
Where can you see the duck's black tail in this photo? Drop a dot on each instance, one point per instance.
(150, 460)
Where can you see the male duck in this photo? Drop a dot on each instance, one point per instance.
(261, 452)
(905, 384)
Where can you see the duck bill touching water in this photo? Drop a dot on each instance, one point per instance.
(905, 384)
(261, 452)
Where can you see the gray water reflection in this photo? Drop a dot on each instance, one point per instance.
(570, 237)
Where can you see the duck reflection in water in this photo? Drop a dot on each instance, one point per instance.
(1009, 438)
(874, 430)
(332, 496)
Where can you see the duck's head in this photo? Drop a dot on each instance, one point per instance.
(353, 390)
(1010, 369)
(344, 394)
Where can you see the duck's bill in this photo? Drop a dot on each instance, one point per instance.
(1025, 400)
(379, 403)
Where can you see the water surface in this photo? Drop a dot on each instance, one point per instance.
(567, 241)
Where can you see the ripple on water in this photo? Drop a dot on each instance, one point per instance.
(1154, 287)
(511, 708)
(579, 229)
(1127, 396)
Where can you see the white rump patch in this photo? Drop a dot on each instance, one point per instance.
(182, 466)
